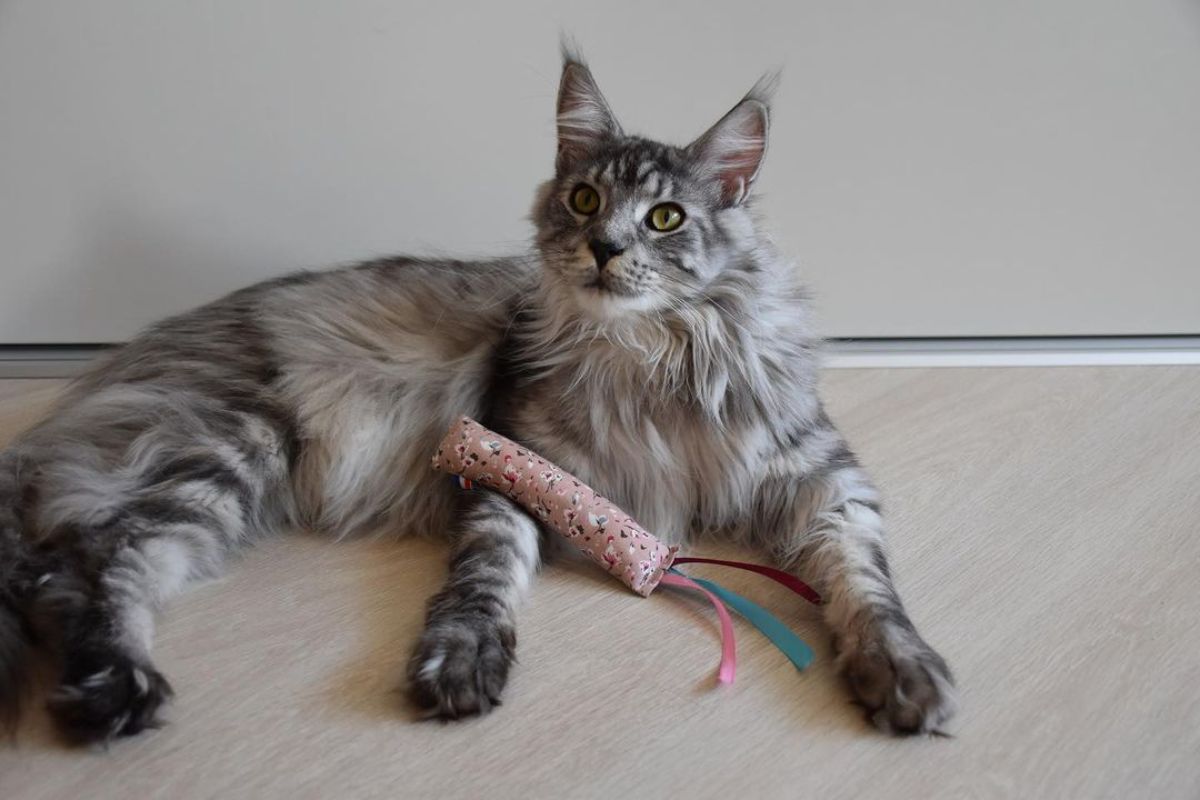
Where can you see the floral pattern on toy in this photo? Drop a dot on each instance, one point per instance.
(597, 528)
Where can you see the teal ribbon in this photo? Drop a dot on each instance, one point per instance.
(767, 623)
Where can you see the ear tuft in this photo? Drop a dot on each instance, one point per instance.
(732, 151)
(765, 87)
(584, 118)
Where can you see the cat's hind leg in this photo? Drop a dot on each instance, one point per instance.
(108, 685)
(123, 519)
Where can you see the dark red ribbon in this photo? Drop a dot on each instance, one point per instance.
(779, 576)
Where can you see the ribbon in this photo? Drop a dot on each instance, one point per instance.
(728, 665)
(767, 623)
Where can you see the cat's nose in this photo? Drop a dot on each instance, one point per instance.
(604, 251)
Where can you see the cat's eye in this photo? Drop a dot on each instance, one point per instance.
(585, 199)
(665, 217)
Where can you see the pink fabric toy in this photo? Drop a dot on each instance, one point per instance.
(600, 530)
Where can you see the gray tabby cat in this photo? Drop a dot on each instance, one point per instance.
(655, 345)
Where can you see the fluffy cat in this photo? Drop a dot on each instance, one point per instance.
(654, 344)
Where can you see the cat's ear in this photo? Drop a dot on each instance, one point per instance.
(732, 151)
(584, 118)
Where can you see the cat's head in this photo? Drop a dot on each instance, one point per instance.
(629, 225)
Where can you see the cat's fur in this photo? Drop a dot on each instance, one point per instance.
(675, 372)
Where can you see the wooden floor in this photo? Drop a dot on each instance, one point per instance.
(1044, 529)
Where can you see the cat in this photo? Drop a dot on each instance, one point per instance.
(653, 343)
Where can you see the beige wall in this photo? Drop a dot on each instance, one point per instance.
(941, 168)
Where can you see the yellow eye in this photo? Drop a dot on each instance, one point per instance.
(665, 217)
(585, 199)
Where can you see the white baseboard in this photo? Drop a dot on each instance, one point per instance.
(46, 361)
(52, 361)
(1030, 352)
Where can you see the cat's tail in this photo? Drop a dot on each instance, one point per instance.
(15, 640)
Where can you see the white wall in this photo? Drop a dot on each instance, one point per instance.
(941, 168)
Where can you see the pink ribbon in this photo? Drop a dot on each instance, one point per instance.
(728, 666)
(779, 576)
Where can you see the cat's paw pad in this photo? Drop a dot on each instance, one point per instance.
(102, 698)
(905, 686)
(460, 667)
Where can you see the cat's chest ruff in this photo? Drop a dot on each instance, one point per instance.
(672, 475)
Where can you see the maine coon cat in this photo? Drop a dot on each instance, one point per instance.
(654, 344)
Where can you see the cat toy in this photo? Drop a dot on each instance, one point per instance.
(474, 455)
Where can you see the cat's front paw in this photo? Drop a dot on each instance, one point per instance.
(903, 683)
(460, 666)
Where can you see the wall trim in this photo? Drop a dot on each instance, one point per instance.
(65, 361)
(1051, 351)
(47, 360)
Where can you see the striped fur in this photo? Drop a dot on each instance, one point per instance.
(678, 377)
